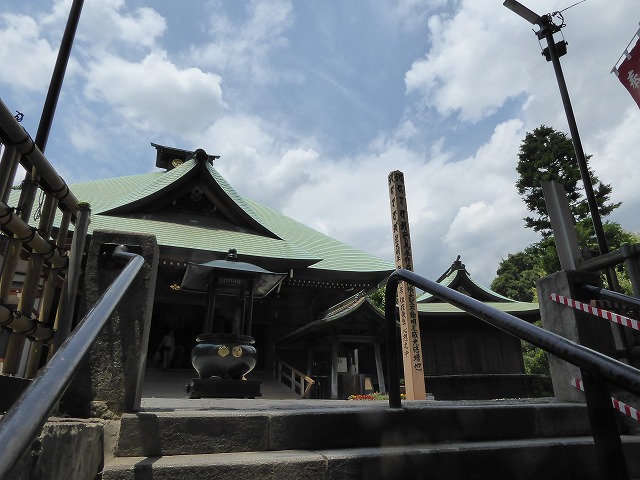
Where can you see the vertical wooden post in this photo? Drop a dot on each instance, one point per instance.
(409, 326)
(379, 372)
(334, 366)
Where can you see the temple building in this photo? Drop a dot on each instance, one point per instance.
(464, 357)
(318, 319)
(198, 217)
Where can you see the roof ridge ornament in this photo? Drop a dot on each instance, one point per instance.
(199, 155)
(457, 265)
(171, 157)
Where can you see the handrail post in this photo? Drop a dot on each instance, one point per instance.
(8, 169)
(571, 324)
(392, 341)
(633, 266)
(113, 371)
(604, 429)
(36, 267)
(16, 351)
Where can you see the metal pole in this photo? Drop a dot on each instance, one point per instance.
(604, 429)
(50, 103)
(8, 169)
(547, 29)
(633, 267)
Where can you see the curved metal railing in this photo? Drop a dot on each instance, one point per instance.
(20, 426)
(597, 368)
(594, 362)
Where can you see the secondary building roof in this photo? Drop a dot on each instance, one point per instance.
(458, 278)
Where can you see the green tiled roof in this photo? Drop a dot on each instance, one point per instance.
(458, 277)
(513, 308)
(296, 241)
(149, 185)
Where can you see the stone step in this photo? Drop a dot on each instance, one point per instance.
(299, 426)
(565, 458)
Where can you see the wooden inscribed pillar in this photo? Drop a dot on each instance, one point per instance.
(409, 326)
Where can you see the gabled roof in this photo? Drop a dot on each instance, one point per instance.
(458, 278)
(158, 193)
(356, 314)
(151, 203)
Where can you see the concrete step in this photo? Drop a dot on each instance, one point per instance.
(565, 458)
(219, 431)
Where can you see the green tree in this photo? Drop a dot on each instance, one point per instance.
(546, 154)
(377, 297)
(516, 276)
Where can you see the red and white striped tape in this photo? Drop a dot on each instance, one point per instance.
(599, 312)
(617, 404)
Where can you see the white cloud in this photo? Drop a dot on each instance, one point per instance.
(411, 13)
(245, 48)
(140, 29)
(617, 147)
(154, 94)
(470, 68)
(108, 23)
(130, 84)
(20, 38)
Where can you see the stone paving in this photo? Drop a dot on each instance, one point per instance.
(165, 390)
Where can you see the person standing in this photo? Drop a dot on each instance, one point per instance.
(167, 349)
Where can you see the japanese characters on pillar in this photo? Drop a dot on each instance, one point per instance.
(409, 325)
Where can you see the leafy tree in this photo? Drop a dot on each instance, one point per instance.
(536, 360)
(377, 297)
(517, 275)
(546, 154)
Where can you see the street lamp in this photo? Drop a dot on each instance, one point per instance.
(552, 53)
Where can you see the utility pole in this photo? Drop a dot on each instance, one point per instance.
(552, 53)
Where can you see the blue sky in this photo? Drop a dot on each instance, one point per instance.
(311, 104)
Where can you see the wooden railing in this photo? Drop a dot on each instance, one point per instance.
(300, 383)
(26, 305)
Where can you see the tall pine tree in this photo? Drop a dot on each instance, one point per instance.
(546, 154)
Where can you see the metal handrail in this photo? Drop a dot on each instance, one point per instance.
(20, 426)
(598, 364)
(597, 369)
(613, 296)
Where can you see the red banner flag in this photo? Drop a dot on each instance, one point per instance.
(629, 72)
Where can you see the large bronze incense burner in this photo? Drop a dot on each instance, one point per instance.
(224, 353)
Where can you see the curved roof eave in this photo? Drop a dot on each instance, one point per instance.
(457, 278)
(191, 171)
(517, 309)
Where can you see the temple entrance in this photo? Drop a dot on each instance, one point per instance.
(260, 331)
(185, 321)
